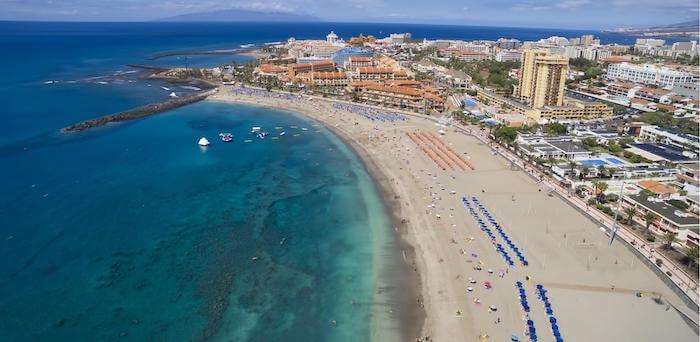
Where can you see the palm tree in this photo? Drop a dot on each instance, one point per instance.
(572, 166)
(631, 211)
(650, 218)
(602, 171)
(670, 238)
(584, 173)
(693, 253)
(599, 188)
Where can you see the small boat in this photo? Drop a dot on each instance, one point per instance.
(283, 133)
(203, 141)
(226, 137)
(50, 82)
(263, 135)
(165, 88)
(255, 130)
(173, 95)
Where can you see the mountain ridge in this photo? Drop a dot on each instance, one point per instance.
(241, 15)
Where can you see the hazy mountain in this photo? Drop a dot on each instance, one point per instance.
(233, 15)
(684, 29)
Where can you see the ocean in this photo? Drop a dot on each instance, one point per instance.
(133, 232)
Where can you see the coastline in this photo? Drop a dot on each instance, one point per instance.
(447, 244)
(405, 283)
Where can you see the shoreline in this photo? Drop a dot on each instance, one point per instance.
(412, 322)
(448, 244)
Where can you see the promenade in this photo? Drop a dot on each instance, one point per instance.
(682, 280)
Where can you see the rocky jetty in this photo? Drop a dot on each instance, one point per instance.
(141, 112)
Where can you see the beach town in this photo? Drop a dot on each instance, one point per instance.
(548, 190)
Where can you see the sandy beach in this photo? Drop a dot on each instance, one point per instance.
(598, 292)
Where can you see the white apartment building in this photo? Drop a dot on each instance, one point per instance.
(509, 56)
(649, 74)
(655, 134)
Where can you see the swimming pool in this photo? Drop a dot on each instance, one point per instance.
(592, 162)
(605, 161)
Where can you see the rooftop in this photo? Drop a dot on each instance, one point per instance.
(667, 211)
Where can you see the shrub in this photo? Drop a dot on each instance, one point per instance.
(651, 238)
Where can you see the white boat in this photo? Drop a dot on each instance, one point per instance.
(191, 88)
(246, 45)
(255, 130)
(165, 88)
(283, 133)
(50, 82)
(203, 141)
(226, 137)
(173, 95)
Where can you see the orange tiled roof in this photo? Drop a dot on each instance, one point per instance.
(655, 187)
(404, 83)
(394, 90)
(326, 75)
(360, 59)
(655, 91)
(374, 70)
(615, 59)
(363, 83)
(315, 64)
(270, 68)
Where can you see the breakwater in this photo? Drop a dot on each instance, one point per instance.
(140, 112)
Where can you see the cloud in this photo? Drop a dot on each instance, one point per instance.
(571, 4)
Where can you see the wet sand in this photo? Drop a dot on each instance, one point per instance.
(567, 252)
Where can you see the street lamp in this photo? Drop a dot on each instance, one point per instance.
(619, 206)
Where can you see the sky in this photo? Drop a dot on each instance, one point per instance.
(572, 14)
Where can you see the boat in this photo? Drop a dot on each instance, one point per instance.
(165, 88)
(263, 135)
(226, 137)
(255, 130)
(283, 133)
(203, 141)
(245, 46)
(173, 95)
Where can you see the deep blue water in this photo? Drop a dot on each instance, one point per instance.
(132, 231)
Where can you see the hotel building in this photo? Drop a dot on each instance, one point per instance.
(649, 74)
(294, 69)
(542, 78)
(324, 79)
(400, 96)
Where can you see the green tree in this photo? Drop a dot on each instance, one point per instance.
(670, 239)
(693, 253)
(649, 219)
(554, 128)
(505, 134)
(584, 172)
(599, 188)
(630, 211)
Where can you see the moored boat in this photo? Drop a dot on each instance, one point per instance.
(203, 142)
(226, 137)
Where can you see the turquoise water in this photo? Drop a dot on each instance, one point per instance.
(133, 232)
(143, 233)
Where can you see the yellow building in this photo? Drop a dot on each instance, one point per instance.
(573, 110)
(542, 79)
